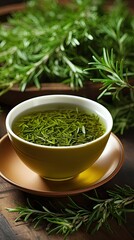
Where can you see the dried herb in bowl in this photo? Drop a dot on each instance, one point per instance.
(62, 127)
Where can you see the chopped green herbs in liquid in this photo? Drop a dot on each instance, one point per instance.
(62, 127)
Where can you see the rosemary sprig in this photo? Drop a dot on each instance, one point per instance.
(112, 75)
(53, 42)
(46, 45)
(122, 112)
(72, 216)
(114, 82)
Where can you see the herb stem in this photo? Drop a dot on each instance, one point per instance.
(72, 216)
(37, 64)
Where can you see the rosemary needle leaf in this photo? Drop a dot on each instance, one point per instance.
(71, 217)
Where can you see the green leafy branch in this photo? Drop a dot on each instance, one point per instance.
(112, 76)
(72, 216)
(53, 43)
(116, 84)
(46, 46)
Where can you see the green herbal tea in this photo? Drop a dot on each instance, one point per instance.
(59, 127)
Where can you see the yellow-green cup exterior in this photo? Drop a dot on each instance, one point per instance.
(59, 163)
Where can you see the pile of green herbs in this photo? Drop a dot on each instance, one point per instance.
(92, 212)
(73, 43)
(62, 127)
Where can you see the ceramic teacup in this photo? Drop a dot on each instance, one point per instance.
(62, 162)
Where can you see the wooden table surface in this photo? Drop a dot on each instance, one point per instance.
(10, 197)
